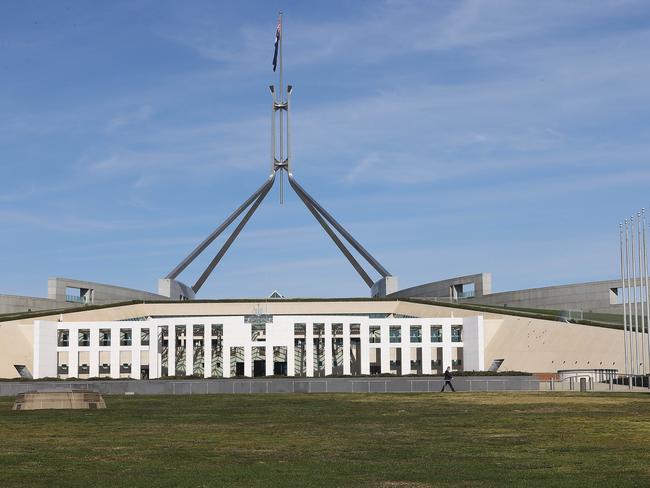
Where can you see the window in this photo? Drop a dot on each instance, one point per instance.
(416, 333)
(436, 333)
(395, 333)
(104, 337)
(355, 329)
(299, 329)
(63, 338)
(84, 337)
(125, 337)
(258, 332)
(144, 337)
(217, 330)
(337, 329)
(375, 334)
(456, 334)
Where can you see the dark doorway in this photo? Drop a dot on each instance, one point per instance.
(239, 369)
(280, 369)
(259, 367)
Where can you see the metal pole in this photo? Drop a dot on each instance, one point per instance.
(628, 299)
(289, 89)
(199, 283)
(620, 235)
(355, 264)
(636, 316)
(647, 291)
(641, 297)
(348, 237)
(281, 117)
(215, 233)
(273, 130)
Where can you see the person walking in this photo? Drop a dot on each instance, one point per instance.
(448, 378)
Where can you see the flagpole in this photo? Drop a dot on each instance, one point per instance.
(281, 101)
(628, 299)
(641, 297)
(636, 316)
(620, 242)
(647, 292)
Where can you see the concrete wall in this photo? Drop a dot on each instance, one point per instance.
(588, 297)
(102, 294)
(594, 296)
(19, 304)
(441, 289)
(56, 296)
(384, 384)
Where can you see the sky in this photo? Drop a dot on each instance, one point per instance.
(449, 137)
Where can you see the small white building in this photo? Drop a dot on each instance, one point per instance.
(257, 345)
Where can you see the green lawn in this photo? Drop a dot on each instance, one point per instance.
(389, 440)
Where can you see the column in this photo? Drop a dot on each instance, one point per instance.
(115, 351)
(207, 350)
(365, 348)
(406, 350)
(328, 349)
(73, 353)
(136, 337)
(446, 345)
(309, 348)
(93, 360)
(291, 354)
(346, 348)
(268, 360)
(426, 349)
(385, 348)
(248, 359)
(189, 349)
(171, 350)
(225, 362)
(154, 356)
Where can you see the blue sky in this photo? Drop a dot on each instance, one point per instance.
(449, 137)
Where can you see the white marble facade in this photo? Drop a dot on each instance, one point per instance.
(283, 345)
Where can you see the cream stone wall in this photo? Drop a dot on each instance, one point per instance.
(16, 347)
(525, 344)
(547, 346)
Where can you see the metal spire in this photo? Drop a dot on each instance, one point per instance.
(280, 162)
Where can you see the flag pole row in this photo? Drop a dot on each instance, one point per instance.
(635, 293)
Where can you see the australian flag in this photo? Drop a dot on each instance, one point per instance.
(277, 42)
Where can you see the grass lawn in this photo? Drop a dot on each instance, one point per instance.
(385, 440)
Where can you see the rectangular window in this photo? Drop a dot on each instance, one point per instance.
(436, 333)
(125, 337)
(355, 329)
(197, 330)
(299, 329)
(337, 329)
(63, 338)
(104, 337)
(395, 333)
(375, 334)
(258, 332)
(456, 334)
(84, 337)
(319, 330)
(416, 333)
(217, 330)
(144, 337)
